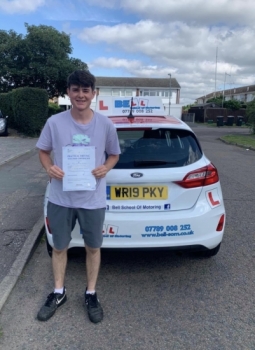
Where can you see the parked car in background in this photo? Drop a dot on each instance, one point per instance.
(164, 192)
(3, 125)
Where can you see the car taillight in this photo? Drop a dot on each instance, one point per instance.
(221, 223)
(47, 223)
(205, 176)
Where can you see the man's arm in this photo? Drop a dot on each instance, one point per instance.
(52, 170)
(102, 170)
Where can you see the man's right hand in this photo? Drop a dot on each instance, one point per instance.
(52, 170)
(55, 172)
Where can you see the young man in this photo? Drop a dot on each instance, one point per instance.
(79, 126)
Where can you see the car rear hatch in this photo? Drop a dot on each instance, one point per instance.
(151, 174)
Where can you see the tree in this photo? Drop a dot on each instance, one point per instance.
(41, 59)
(216, 100)
(187, 107)
(230, 104)
(10, 56)
(250, 113)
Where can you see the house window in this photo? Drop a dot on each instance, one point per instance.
(150, 93)
(162, 93)
(115, 92)
(127, 92)
(165, 93)
(250, 97)
(105, 92)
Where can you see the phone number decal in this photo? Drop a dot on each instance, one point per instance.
(168, 231)
(167, 228)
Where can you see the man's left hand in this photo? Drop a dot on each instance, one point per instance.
(100, 171)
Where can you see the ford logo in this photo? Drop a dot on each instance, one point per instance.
(136, 175)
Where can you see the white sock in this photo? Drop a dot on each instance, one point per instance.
(90, 291)
(59, 290)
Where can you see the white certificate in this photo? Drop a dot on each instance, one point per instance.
(78, 162)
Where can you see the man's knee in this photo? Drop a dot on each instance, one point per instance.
(92, 251)
(59, 252)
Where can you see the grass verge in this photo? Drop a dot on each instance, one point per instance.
(1, 332)
(247, 141)
(233, 126)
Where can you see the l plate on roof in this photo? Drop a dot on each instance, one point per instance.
(121, 106)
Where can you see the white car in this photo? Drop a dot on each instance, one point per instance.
(163, 192)
(3, 125)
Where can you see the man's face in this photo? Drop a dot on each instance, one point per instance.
(80, 97)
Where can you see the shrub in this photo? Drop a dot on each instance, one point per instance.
(232, 104)
(250, 113)
(54, 109)
(30, 107)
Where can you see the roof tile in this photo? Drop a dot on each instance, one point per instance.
(134, 82)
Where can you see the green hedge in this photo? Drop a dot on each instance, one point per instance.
(250, 112)
(30, 108)
(54, 109)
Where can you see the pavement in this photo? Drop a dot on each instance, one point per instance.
(14, 146)
(22, 186)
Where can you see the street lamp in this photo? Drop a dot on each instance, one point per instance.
(224, 88)
(170, 91)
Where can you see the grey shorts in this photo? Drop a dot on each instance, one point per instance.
(62, 221)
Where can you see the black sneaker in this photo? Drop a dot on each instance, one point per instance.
(54, 300)
(95, 310)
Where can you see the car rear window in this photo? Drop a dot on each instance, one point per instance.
(157, 148)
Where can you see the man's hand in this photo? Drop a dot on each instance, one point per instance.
(52, 170)
(100, 171)
(55, 172)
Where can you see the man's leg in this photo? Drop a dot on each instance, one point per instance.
(61, 222)
(58, 297)
(91, 222)
(59, 261)
(93, 259)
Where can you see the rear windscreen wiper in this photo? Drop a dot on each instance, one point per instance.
(151, 162)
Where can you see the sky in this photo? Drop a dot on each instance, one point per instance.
(205, 45)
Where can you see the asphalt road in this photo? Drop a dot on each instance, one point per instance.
(22, 187)
(153, 300)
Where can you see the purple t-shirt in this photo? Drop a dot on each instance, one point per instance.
(62, 130)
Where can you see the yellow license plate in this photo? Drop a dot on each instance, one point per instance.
(137, 192)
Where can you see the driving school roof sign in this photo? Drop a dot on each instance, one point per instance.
(121, 106)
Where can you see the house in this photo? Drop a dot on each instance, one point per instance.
(168, 89)
(242, 94)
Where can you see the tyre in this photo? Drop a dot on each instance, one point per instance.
(5, 132)
(208, 253)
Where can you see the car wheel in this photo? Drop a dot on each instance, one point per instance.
(208, 253)
(5, 133)
(49, 247)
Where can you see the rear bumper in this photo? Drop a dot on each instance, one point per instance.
(195, 228)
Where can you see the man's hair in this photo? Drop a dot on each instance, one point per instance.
(82, 78)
